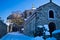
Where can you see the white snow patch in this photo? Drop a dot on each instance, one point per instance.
(15, 33)
(22, 29)
(52, 38)
(7, 23)
(16, 36)
(56, 31)
(33, 8)
(25, 19)
(38, 38)
(46, 27)
(40, 26)
(47, 33)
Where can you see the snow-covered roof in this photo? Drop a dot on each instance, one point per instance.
(33, 8)
(40, 26)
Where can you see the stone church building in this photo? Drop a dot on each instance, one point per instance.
(47, 14)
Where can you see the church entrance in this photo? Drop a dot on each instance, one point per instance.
(52, 27)
(15, 29)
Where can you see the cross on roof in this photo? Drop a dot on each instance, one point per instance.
(50, 0)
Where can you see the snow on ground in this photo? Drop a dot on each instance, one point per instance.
(52, 38)
(15, 33)
(38, 38)
(47, 33)
(19, 36)
(15, 36)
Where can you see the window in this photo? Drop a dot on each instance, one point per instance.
(51, 14)
(30, 13)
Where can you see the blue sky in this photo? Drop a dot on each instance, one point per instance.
(7, 6)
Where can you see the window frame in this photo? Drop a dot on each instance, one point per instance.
(53, 13)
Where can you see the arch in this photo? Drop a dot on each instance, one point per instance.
(52, 27)
(14, 29)
(51, 14)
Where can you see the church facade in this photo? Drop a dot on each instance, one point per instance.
(47, 14)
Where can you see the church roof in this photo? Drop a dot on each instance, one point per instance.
(50, 4)
(40, 8)
(28, 11)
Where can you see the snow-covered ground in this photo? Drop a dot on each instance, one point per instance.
(19, 36)
(38, 38)
(16, 36)
(51, 38)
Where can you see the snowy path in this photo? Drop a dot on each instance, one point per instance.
(19, 36)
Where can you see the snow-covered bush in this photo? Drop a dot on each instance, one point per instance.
(56, 34)
(38, 32)
(51, 38)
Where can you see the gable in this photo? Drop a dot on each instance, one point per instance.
(48, 5)
(42, 11)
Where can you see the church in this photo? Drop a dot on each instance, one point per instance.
(47, 15)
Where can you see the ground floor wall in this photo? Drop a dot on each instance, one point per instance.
(55, 24)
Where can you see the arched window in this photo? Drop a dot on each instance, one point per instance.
(51, 14)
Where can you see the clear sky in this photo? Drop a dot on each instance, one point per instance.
(7, 6)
